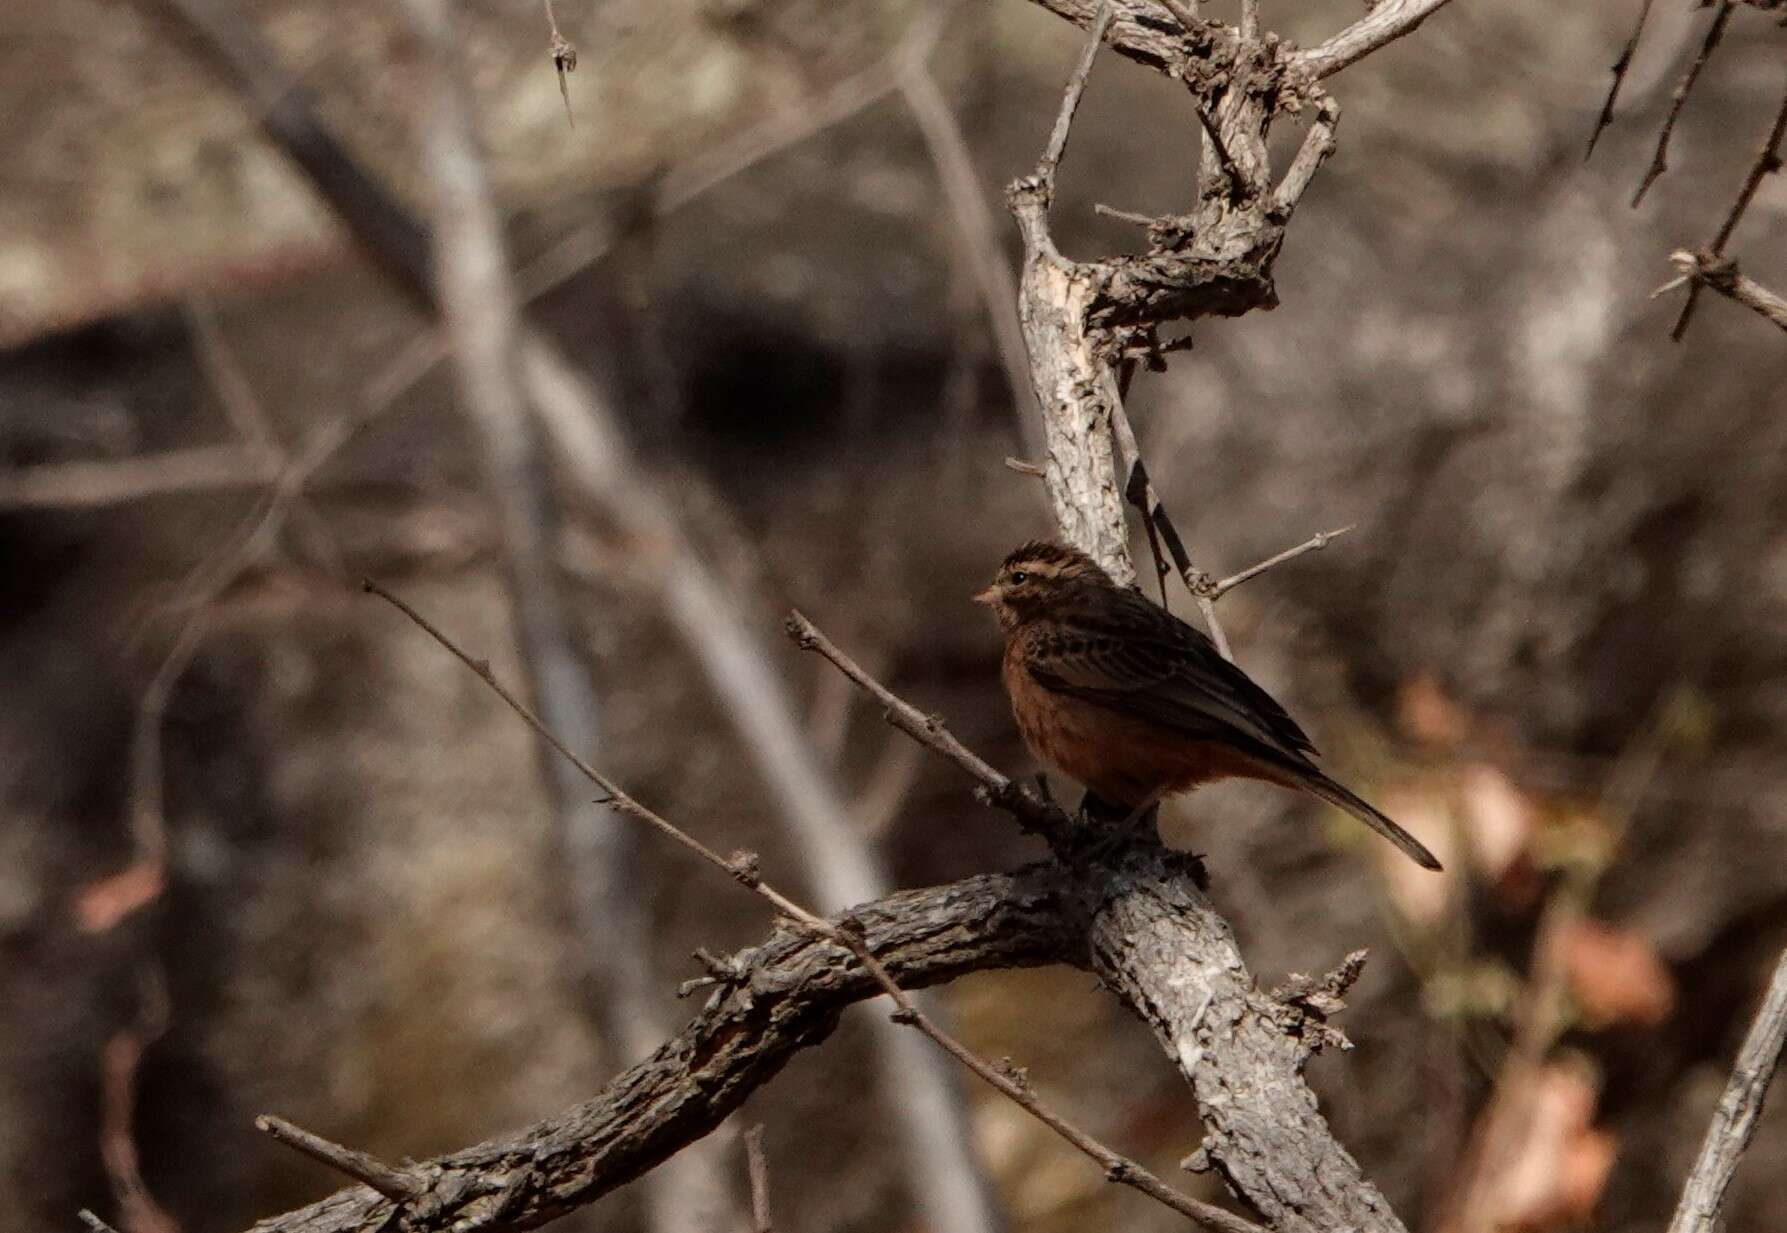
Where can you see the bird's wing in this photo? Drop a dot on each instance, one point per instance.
(1142, 661)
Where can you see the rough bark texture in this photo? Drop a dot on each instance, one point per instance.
(1160, 943)
(1074, 391)
(787, 995)
(1155, 937)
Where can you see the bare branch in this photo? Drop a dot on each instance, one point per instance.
(1318, 145)
(1388, 21)
(758, 1165)
(1070, 100)
(782, 996)
(1660, 159)
(1621, 67)
(1139, 490)
(1735, 1119)
(395, 1184)
(1314, 543)
(1722, 276)
(83, 485)
(743, 868)
(977, 239)
(564, 61)
(929, 731)
(1766, 163)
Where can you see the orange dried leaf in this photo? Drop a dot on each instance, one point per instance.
(1429, 714)
(1615, 975)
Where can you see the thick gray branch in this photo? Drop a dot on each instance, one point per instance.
(1075, 390)
(786, 995)
(1160, 943)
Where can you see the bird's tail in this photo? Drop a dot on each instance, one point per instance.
(1312, 780)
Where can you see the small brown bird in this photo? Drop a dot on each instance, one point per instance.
(1136, 704)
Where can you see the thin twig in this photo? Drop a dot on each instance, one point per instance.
(1388, 21)
(1621, 67)
(929, 731)
(977, 236)
(84, 485)
(396, 1185)
(757, 1163)
(744, 869)
(564, 61)
(1138, 489)
(1070, 99)
(1660, 159)
(1735, 1119)
(104, 904)
(1766, 162)
(1723, 276)
(224, 371)
(1314, 543)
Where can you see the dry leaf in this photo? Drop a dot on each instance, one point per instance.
(1615, 974)
(102, 904)
(1429, 715)
(1537, 1163)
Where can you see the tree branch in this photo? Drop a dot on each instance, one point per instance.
(1735, 1119)
(779, 997)
(606, 884)
(1659, 163)
(1388, 21)
(1723, 276)
(1765, 164)
(398, 1185)
(704, 612)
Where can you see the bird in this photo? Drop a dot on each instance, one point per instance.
(1121, 695)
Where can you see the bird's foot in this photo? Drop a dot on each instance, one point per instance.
(1115, 825)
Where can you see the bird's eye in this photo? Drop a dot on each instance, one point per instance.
(1019, 577)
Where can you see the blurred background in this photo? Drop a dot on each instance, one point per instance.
(264, 848)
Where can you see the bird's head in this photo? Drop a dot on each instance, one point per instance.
(1037, 577)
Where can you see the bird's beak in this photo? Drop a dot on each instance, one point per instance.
(986, 595)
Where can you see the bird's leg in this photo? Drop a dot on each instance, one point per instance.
(1119, 825)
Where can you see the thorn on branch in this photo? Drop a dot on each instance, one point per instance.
(1621, 67)
(396, 1185)
(1766, 163)
(1660, 160)
(1024, 468)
